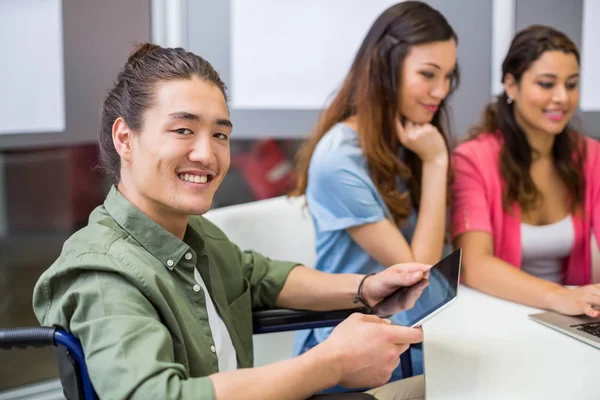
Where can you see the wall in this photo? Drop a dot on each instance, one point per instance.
(209, 36)
(98, 36)
(88, 77)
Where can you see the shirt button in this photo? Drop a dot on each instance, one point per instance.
(213, 349)
(170, 262)
(196, 288)
(188, 256)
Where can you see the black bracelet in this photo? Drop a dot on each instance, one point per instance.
(359, 297)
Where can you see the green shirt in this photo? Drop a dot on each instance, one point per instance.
(125, 287)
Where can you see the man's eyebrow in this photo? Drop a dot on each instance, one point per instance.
(193, 117)
(223, 122)
(184, 115)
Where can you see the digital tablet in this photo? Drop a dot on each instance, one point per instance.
(413, 305)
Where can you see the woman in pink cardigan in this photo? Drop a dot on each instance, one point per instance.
(527, 186)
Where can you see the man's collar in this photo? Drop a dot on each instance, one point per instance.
(159, 242)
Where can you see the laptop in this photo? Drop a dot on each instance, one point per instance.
(582, 327)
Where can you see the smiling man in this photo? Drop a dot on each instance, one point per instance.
(161, 300)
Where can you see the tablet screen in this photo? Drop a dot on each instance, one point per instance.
(409, 305)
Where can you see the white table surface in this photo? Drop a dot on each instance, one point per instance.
(482, 347)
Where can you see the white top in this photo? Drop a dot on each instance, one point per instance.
(544, 248)
(223, 344)
(483, 348)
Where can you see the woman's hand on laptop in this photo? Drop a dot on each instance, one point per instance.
(381, 285)
(576, 301)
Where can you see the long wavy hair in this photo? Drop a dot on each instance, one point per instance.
(516, 156)
(370, 92)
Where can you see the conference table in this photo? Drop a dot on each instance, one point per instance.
(482, 347)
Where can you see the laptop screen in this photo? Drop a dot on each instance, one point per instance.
(409, 305)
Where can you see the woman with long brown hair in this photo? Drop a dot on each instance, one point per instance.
(374, 172)
(526, 193)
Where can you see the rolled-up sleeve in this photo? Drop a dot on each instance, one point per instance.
(128, 351)
(471, 209)
(266, 277)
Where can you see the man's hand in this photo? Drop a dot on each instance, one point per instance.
(364, 350)
(381, 285)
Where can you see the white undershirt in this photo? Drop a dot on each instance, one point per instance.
(223, 345)
(544, 247)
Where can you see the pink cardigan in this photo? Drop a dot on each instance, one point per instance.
(477, 205)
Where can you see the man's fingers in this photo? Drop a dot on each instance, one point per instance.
(402, 334)
(411, 267)
(370, 318)
(407, 274)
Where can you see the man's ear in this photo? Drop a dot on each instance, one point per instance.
(122, 137)
(511, 86)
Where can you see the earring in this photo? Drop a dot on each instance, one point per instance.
(509, 99)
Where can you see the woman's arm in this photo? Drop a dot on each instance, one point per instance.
(386, 244)
(483, 271)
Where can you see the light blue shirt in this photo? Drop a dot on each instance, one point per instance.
(340, 194)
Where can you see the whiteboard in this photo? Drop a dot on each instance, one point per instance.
(32, 97)
(294, 54)
(590, 57)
